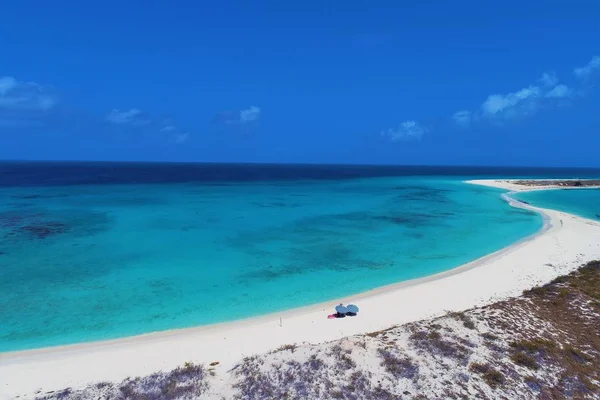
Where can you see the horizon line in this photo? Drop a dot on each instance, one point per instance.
(41, 161)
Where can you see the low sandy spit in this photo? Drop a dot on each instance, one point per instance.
(510, 184)
(565, 242)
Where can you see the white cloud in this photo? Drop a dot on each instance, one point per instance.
(407, 130)
(560, 91)
(527, 100)
(25, 96)
(238, 119)
(498, 104)
(250, 114)
(141, 122)
(123, 117)
(549, 79)
(517, 104)
(462, 117)
(7, 83)
(588, 69)
(181, 138)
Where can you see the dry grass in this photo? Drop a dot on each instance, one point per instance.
(491, 376)
(187, 382)
(466, 320)
(286, 347)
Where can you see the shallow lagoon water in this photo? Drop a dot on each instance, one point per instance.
(582, 202)
(92, 262)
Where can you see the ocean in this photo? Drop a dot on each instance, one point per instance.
(582, 202)
(93, 251)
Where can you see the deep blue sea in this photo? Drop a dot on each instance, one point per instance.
(94, 251)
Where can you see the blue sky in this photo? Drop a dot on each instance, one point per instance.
(388, 82)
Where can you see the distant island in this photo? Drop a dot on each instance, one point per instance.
(521, 185)
(559, 182)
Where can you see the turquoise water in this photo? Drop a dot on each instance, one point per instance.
(90, 262)
(582, 202)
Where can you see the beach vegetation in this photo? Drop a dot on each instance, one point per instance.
(314, 363)
(434, 343)
(252, 383)
(538, 291)
(398, 366)
(188, 381)
(577, 355)
(286, 347)
(533, 384)
(536, 345)
(479, 368)
(63, 394)
(343, 357)
(382, 332)
(464, 318)
(525, 360)
(559, 279)
(491, 376)
(433, 335)
(102, 385)
(358, 383)
(489, 336)
(362, 343)
(587, 280)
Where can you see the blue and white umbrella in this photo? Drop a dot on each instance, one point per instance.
(341, 309)
(352, 308)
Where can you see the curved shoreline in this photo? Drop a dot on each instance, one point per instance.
(330, 304)
(504, 273)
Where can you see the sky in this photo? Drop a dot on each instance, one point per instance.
(429, 83)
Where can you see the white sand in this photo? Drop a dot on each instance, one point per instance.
(564, 244)
(513, 187)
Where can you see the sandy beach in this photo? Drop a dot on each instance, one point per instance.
(564, 243)
(509, 184)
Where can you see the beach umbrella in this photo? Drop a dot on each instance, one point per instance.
(352, 308)
(341, 309)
